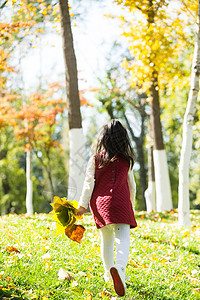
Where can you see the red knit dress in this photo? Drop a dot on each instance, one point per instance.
(110, 201)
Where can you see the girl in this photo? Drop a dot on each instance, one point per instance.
(109, 187)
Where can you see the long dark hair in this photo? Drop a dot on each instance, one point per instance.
(113, 141)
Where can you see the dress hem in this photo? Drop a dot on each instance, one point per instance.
(128, 223)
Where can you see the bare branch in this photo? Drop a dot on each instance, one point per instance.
(158, 6)
(2, 6)
(139, 108)
(190, 12)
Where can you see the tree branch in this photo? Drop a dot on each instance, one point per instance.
(2, 6)
(129, 128)
(139, 108)
(186, 6)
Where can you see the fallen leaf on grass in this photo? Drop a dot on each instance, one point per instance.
(196, 291)
(48, 266)
(186, 234)
(7, 278)
(89, 275)
(12, 249)
(163, 261)
(89, 297)
(136, 265)
(47, 258)
(1, 274)
(64, 275)
(90, 269)
(105, 293)
(145, 236)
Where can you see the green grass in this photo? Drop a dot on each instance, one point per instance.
(164, 260)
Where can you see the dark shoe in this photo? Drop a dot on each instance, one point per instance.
(118, 282)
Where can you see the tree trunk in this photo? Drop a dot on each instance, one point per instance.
(142, 171)
(29, 185)
(51, 183)
(74, 113)
(6, 189)
(76, 138)
(139, 141)
(163, 190)
(76, 164)
(150, 193)
(184, 202)
(47, 168)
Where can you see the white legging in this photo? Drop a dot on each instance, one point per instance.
(120, 234)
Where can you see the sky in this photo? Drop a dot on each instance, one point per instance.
(93, 37)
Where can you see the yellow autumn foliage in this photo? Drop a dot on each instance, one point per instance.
(157, 36)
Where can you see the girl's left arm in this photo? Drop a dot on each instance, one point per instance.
(88, 185)
(132, 187)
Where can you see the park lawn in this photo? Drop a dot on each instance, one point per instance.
(164, 261)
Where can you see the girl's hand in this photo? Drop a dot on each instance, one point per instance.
(80, 211)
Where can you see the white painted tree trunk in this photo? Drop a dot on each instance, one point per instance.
(163, 190)
(29, 185)
(184, 202)
(77, 163)
(150, 193)
(150, 196)
(77, 157)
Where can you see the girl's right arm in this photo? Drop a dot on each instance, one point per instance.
(132, 187)
(87, 187)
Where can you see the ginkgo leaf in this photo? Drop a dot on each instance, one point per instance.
(57, 203)
(12, 249)
(65, 216)
(63, 211)
(59, 228)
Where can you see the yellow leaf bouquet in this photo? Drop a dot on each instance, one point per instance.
(64, 215)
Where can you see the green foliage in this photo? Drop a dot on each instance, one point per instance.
(122, 101)
(56, 165)
(157, 36)
(174, 101)
(13, 177)
(163, 262)
(110, 96)
(13, 185)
